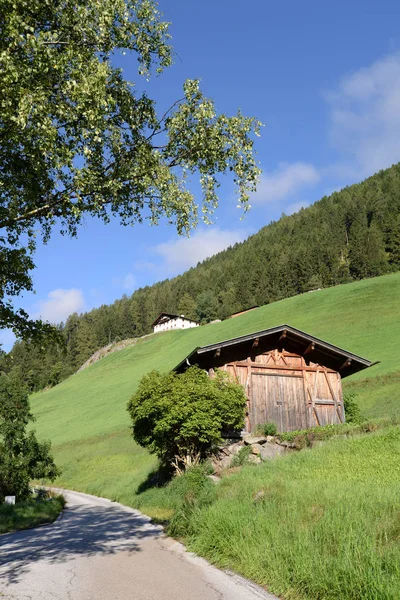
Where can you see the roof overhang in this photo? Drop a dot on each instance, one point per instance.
(292, 339)
(168, 316)
(162, 317)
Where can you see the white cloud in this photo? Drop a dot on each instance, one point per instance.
(284, 182)
(183, 253)
(129, 282)
(60, 304)
(144, 265)
(365, 118)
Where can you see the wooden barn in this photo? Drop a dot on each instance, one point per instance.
(290, 378)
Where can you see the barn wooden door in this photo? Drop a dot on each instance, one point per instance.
(278, 399)
(324, 395)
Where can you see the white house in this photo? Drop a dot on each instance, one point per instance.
(166, 322)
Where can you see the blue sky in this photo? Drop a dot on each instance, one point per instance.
(324, 78)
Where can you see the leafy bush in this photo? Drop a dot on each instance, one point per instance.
(22, 456)
(180, 418)
(351, 409)
(266, 429)
(269, 429)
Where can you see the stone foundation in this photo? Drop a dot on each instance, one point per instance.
(263, 448)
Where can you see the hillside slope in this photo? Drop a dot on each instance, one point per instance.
(351, 235)
(85, 416)
(321, 524)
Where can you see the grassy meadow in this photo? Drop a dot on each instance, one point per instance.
(307, 525)
(88, 410)
(321, 523)
(24, 515)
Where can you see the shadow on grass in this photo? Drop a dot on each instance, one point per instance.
(157, 478)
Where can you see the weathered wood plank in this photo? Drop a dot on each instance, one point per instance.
(334, 398)
(281, 387)
(278, 367)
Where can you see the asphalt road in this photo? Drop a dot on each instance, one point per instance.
(101, 550)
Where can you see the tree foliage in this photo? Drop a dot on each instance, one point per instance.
(77, 139)
(180, 418)
(22, 456)
(187, 306)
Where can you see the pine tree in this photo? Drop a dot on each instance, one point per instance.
(187, 306)
(393, 243)
(367, 254)
(207, 307)
(85, 342)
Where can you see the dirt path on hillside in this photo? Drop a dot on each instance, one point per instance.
(101, 550)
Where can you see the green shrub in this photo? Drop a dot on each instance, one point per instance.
(30, 513)
(180, 418)
(269, 429)
(266, 429)
(351, 409)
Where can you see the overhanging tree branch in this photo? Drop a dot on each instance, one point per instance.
(75, 139)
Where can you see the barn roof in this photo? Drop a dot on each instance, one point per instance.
(313, 348)
(164, 315)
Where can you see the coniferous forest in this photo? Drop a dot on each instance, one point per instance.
(350, 235)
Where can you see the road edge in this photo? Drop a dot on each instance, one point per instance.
(216, 577)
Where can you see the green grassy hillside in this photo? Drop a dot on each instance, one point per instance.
(310, 525)
(86, 420)
(315, 525)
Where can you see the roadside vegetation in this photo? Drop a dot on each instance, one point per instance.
(323, 523)
(22, 456)
(30, 513)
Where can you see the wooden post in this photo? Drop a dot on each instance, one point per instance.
(313, 397)
(333, 396)
(346, 364)
(309, 349)
(309, 424)
(248, 395)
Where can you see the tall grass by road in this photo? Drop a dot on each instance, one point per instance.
(320, 524)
